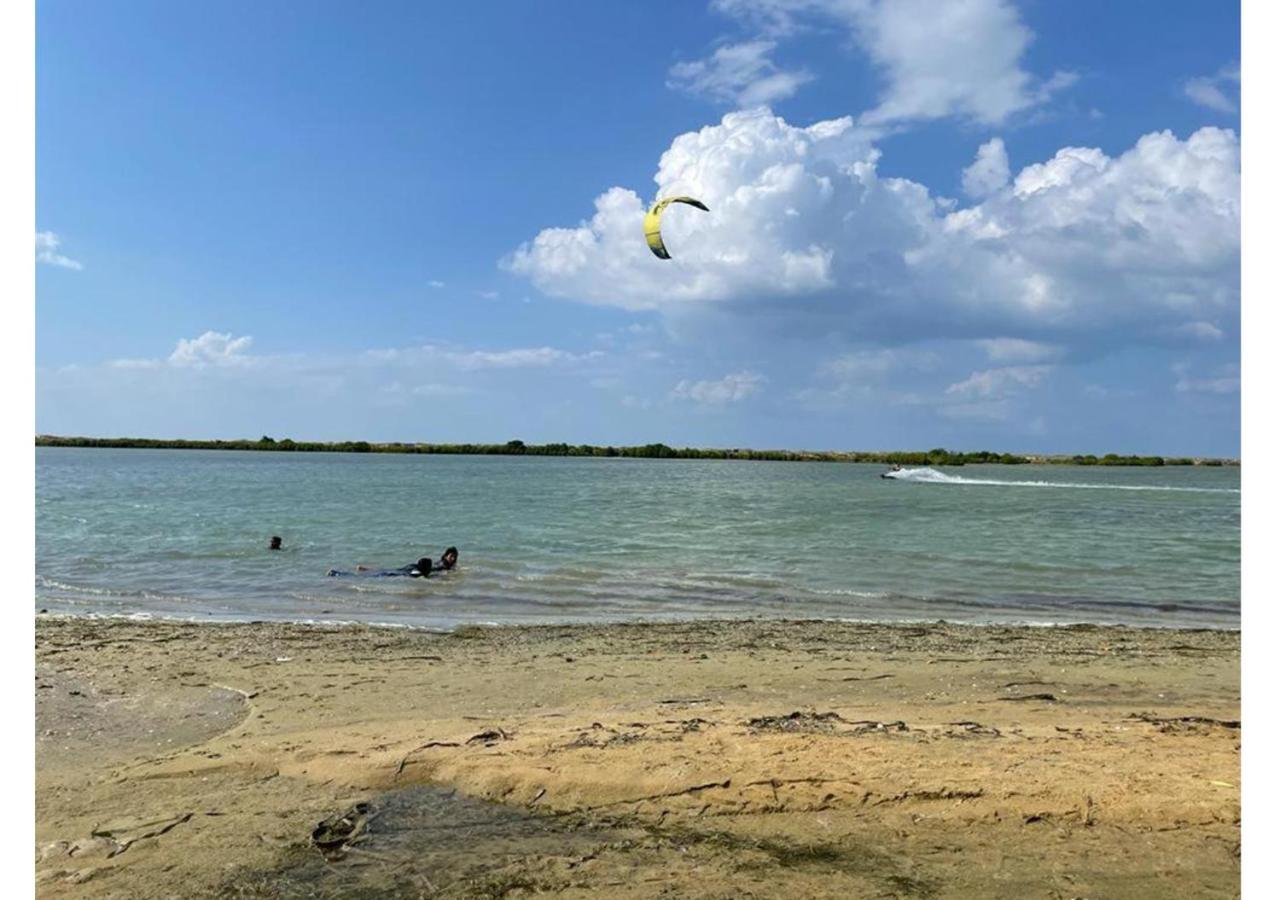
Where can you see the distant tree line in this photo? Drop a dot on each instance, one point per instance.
(936, 457)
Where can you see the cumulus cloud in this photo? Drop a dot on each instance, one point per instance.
(1217, 92)
(989, 172)
(961, 58)
(801, 221)
(743, 74)
(213, 348)
(729, 389)
(47, 244)
(757, 174)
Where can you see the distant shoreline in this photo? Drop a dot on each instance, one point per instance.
(935, 457)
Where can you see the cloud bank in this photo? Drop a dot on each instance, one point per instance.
(1078, 248)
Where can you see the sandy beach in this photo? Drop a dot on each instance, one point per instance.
(713, 759)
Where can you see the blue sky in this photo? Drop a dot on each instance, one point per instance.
(395, 222)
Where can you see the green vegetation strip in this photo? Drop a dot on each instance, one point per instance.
(936, 457)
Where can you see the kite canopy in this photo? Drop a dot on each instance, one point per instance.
(653, 223)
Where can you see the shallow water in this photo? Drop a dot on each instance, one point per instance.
(184, 533)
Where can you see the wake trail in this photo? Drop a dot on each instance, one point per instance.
(933, 476)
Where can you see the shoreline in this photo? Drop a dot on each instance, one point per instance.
(44, 614)
(773, 757)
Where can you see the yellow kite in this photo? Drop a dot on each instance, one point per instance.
(653, 222)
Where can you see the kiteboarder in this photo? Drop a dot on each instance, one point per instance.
(420, 569)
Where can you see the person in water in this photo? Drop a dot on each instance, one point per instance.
(449, 558)
(276, 543)
(420, 569)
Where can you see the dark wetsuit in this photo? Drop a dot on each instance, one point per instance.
(409, 571)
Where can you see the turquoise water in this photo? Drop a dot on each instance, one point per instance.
(183, 533)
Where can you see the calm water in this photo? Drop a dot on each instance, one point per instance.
(183, 533)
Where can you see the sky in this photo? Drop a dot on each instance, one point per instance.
(980, 225)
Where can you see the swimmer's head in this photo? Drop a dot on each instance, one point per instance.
(424, 566)
(275, 543)
(449, 558)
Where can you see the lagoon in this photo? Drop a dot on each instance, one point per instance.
(178, 533)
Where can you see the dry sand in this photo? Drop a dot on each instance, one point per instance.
(744, 759)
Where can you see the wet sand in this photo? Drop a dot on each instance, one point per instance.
(713, 759)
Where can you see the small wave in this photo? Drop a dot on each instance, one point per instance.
(928, 475)
(849, 592)
(55, 585)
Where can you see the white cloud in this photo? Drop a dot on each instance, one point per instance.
(1225, 380)
(520, 358)
(487, 295)
(435, 283)
(752, 169)
(1222, 385)
(47, 244)
(801, 222)
(475, 360)
(223, 350)
(776, 18)
(212, 348)
(743, 74)
(951, 59)
(1206, 93)
(989, 172)
(999, 383)
(1204, 331)
(871, 365)
(990, 395)
(1058, 81)
(729, 389)
(1218, 92)
(959, 58)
